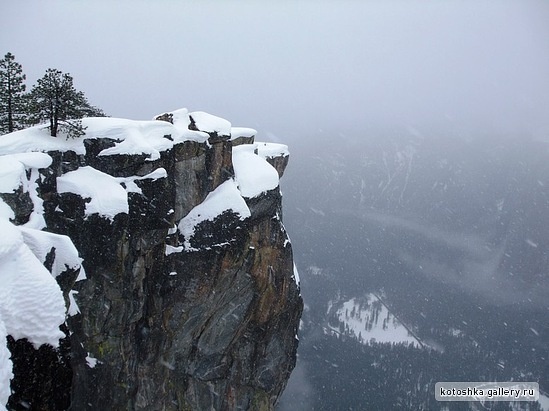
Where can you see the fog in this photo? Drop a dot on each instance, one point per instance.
(291, 69)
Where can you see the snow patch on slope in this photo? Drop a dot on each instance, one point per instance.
(253, 174)
(369, 320)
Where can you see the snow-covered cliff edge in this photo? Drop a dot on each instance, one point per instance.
(188, 299)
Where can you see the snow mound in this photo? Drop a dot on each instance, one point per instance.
(38, 138)
(253, 174)
(13, 166)
(129, 182)
(224, 198)
(271, 150)
(107, 197)
(42, 242)
(211, 124)
(13, 175)
(31, 302)
(142, 137)
(149, 137)
(237, 132)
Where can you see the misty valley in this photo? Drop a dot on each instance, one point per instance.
(422, 259)
(358, 220)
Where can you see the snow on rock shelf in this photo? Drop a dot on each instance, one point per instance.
(187, 263)
(226, 197)
(210, 124)
(253, 174)
(272, 150)
(108, 197)
(239, 132)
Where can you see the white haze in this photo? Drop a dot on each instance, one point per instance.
(466, 67)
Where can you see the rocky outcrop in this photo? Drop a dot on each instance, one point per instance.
(179, 309)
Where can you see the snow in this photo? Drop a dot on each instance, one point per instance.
(73, 306)
(91, 361)
(373, 322)
(223, 198)
(271, 150)
(237, 132)
(296, 276)
(33, 160)
(135, 137)
(317, 211)
(129, 182)
(38, 138)
(13, 176)
(210, 123)
(5, 211)
(170, 249)
(36, 218)
(543, 402)
(31, 302)
(179, 116)
(41, 243)
(149, 137)
(108, 197)
(253, 174)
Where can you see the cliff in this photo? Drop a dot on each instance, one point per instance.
(171, 263)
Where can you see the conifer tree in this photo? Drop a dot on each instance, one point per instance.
(12, 88)
(55, 99)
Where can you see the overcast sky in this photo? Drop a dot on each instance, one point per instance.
(291, 68)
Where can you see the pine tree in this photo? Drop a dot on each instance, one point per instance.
(55, 99)
(12, 88)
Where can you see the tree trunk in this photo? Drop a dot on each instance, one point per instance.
(10, 108)
(53, 121)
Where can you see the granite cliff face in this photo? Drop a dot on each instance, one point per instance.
(189, 299)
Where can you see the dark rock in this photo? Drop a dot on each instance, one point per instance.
(243, 140)
(279, 163)
(42, 377)
(165, 117)
(21, 203)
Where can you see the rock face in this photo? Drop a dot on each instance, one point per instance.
(190, 300)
